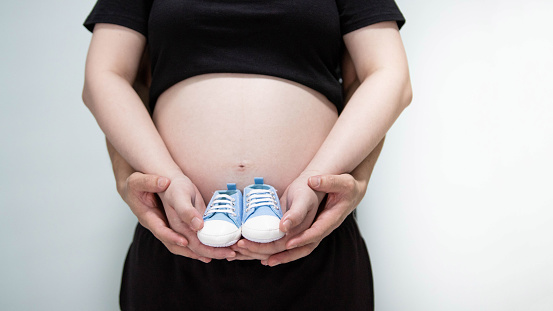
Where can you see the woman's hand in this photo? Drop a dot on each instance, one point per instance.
(300, 204)
(139, 192)
(344, 194)
(302, 234)
(183, 206)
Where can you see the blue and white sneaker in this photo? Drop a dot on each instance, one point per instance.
(262, 213)
(222, 218)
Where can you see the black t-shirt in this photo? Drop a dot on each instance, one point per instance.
(295, 40)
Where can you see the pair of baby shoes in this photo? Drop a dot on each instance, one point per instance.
(229, 215)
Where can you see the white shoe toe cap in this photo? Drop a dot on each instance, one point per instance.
(219, 233)
(262, 229)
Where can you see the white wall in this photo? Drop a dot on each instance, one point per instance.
(458, 215)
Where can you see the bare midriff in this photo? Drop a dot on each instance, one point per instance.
(226, 127)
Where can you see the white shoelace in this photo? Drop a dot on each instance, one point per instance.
(222, 203)
(260, 197)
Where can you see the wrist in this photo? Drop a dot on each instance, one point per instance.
(122, 173)
(176, 176)
(311, 172)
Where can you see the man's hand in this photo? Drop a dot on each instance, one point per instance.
(300, 204)
(184, 205)
(344, 194)
(139, 192)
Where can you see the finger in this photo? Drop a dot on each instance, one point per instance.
(188, 214)
(283, 203)
(186, 252)
(290, 255)
(240, 257)
(176, 224)
(262, 248)
(159, 229)
(148, 183)
(296, 214)
(328, 220)
(245, 253)
(332, 183)
(172, 240)
(211, 252)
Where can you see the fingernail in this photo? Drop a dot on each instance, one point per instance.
(241, 244)
(274, 264)
(180, 244)
(287, 224)
(315, 181)
(196, 223)
(162, 182)
(205, 260)
(231, 255)
(264, 262)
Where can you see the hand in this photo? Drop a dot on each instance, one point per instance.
(138, 191)
(300, 204)
(344, 194)
(183, 206)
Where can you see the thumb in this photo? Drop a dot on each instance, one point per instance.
(149, 183)
(299, 207)
(330, 183)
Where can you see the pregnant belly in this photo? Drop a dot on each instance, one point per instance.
(222, 128)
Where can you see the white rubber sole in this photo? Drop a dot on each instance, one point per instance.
(261, 236)
(219, 245)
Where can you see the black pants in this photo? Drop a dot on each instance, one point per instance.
(335, 276)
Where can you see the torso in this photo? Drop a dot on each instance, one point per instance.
(228, 127)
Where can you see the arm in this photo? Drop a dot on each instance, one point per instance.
(345, 191)
(384, 91)
(111, 67)
(138, 191)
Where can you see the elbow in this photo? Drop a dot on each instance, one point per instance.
(92, 87)
(85, 95)
(87, 91)
(407, 93)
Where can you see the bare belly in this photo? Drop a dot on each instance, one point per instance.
(223, 128)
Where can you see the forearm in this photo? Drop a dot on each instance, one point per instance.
(121, 168)
(123, 118)
(362, 173)
(369, 114)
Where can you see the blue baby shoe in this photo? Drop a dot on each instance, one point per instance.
(222, 218)
(262, 213)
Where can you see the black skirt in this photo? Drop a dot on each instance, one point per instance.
(335, 276)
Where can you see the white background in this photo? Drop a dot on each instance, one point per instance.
(459, 211)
